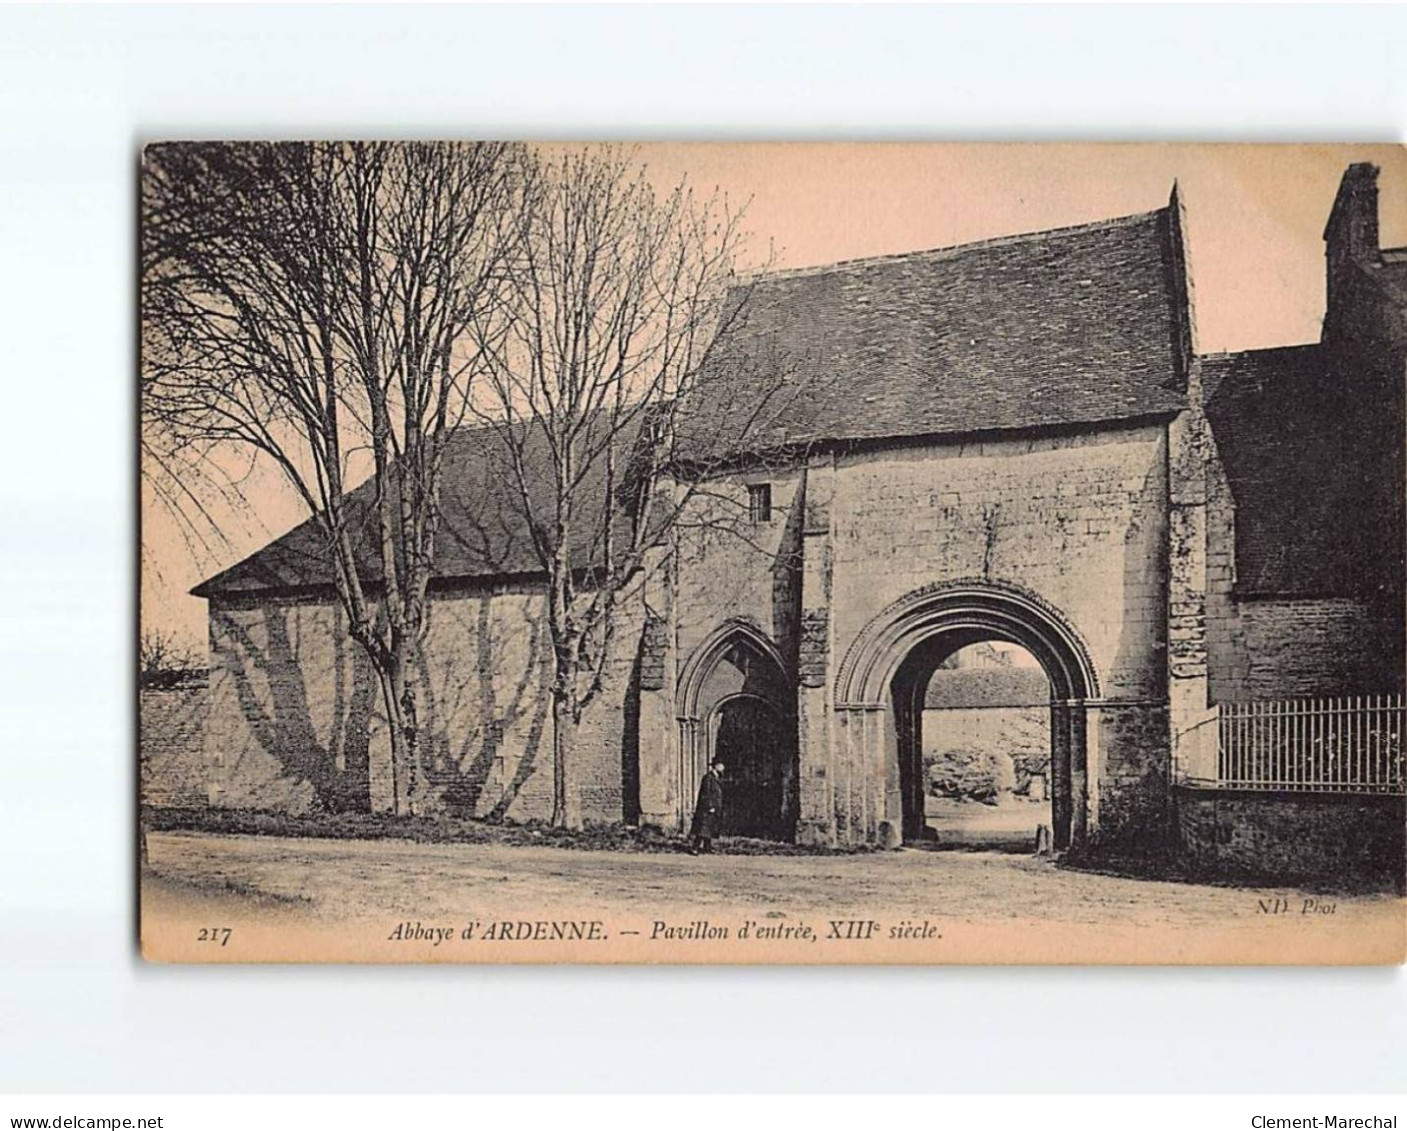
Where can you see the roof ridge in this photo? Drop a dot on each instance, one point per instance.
(949, 251)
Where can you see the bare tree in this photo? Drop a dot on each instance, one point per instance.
(164, 661)
(619, 296)
(311, 304)
(180, 476)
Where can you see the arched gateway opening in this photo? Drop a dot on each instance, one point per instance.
(984, 738)
(735, 704)
(883, 680)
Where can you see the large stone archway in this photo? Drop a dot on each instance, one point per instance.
(734, 700)
(878, 703)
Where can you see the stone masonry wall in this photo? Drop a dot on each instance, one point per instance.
(296, 722)
(1007, 732)
(1289, 836)
(172, 750)
(731, 568)
(1078, 520)
(1285, 648)
(727, 567)
(1008, 729)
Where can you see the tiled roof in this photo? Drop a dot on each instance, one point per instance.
(1303, 460)
(1070, 326)
(483, 529)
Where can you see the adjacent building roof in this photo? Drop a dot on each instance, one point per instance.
(957, 688)
(1304, 455)
(1391, 274)
(1072, 326)
(1066, 327)
(483, 530)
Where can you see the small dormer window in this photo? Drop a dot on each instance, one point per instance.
(759, 503)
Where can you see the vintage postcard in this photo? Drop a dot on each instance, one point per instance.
(772, 553)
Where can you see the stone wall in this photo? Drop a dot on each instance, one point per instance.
(729, 568)
(1077, 520)
(172, 745)
(296, 720)
(1130, 745)
(1344, 422)
(1268, 647)
(1286, 649)
(1294, 836)
(1080, 522)
(1015, 730)
(1019, 738)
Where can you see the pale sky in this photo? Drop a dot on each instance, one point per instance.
(1255, 220)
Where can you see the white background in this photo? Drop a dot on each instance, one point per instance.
(81, 89)
(707, 1112)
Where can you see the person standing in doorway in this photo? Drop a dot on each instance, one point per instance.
(708, 812)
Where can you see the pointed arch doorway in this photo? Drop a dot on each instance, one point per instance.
(735, 704)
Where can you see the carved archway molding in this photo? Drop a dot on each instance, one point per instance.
(870, 799)
(1000, 609)
(713, 648)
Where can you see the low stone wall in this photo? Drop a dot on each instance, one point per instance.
(172, 746)
(1343, 838)
(998, 748)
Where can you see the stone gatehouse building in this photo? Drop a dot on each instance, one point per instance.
(1013, 440)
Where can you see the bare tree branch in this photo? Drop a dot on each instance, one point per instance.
(617, 295)
(307, 302)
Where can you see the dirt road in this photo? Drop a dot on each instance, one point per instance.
(345, 899)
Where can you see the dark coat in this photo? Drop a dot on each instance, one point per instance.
(708, 813)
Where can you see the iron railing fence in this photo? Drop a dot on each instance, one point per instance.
(1343, 744)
